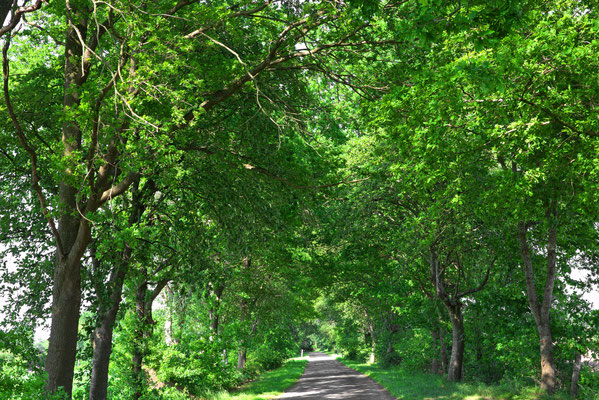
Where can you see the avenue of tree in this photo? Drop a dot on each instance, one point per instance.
(193, 190)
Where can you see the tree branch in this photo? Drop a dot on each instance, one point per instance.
(483, 283)
(96, 116)
(528, 271)
(426, 292)
(16, 17)
(28, 148)
(551, 263)
(559, 119)
(159, 286)
(119, 188)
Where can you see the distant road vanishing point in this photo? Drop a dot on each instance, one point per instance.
(327, 378)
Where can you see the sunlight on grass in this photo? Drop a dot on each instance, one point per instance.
(267, 386)
(409, 385)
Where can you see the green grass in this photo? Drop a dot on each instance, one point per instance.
(409, 385)
(268, 385)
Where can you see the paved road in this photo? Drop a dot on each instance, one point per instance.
(327, 378)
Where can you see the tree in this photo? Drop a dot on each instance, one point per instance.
(463, 127)
(546, 180)
(113, 123)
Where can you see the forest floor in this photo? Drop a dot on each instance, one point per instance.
(327, 378)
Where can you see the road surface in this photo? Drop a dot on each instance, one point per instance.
(327, 378)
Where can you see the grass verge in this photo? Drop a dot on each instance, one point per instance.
(268, 385)
(409, 385)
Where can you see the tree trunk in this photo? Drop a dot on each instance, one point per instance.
(454, 374)
(441, 336)
(436, 362)
(548, 373)
(372, 358)
(102, 340)
(143, 309)
(168, 329)
(213, 313)
(213, 316)
(576, 375)
(241, 354)
(452, 303)
(139, 342)
(541, 311)
(389, 351)
(73, 237)
(442, 350)
(110, 300)
(62, 346)
(241, 359)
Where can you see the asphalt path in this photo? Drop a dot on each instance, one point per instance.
(327, 378)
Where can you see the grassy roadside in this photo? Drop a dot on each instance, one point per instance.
(268, 385)
(408, 385)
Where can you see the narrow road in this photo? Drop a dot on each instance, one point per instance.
(327, 378)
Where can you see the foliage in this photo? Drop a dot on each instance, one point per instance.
(211, 187)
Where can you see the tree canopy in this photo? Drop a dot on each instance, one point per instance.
(192, 191)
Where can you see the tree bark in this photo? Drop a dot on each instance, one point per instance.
(143, 310)
(242, 353)
(102, 339)
(372, 358)
(439, 365)
(548, 372)
(576, 375)
(456, 362)
(102, 336)
(62, 347)
(442, 350)
(213, 312)
(436, 361)
(389, 349)
(241, 359)
(541, 311)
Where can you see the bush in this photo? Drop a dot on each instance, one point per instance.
(197, 367)
(18, 381)
(268, 358)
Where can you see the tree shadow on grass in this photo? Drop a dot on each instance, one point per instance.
(408, 385)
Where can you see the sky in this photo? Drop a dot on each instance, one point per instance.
(593, 296)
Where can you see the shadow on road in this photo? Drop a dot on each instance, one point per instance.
(326, 378)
